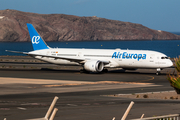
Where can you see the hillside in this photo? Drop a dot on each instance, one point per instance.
(60, 27)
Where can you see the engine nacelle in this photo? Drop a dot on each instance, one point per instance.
(94, 66)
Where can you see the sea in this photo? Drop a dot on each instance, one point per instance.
(169, 47)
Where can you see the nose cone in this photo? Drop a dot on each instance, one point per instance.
(170, 63)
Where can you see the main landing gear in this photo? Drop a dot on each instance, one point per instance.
(158, 71)
(85, 71)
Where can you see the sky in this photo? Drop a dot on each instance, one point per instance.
(155, 14)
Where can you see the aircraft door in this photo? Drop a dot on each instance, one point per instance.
(80, 54)
(47, 53)
(152, 57)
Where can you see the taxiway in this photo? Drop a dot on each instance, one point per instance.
(81, 95)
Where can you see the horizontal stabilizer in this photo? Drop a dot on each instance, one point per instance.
(17, 52)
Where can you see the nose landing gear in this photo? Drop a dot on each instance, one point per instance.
(158, 71)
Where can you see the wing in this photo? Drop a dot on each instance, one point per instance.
(78, 60)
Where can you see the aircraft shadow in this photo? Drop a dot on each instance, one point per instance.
(107, 72)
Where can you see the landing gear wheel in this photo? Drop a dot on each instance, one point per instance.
(82, 70)
(158, 71)
(105, 70)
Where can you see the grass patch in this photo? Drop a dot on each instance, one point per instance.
(174, 79)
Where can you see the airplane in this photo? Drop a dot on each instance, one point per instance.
(96, 60)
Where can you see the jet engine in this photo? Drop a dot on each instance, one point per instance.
(94, 66)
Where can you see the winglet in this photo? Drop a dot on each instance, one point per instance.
(37, 42)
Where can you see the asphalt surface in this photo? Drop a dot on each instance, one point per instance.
(22, 100)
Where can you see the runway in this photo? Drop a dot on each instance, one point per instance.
(80, 94)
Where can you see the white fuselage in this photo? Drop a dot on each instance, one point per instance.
(117, 57)
(95, 60)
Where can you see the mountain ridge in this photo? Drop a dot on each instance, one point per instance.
(61, 27)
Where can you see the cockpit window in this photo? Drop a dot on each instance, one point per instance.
(164, 58)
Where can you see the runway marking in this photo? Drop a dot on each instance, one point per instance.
(71, 105)
(59, 83)
(86, 104)
(96, 83)
(152, 78)
(4, 108)
(21, 108)
(54, 86)
(6, 80)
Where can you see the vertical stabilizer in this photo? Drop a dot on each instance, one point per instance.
(37, 42)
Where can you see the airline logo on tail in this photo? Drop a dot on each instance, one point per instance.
(35, 39)
(37, 42)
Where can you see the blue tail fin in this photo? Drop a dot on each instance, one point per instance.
(37, 42)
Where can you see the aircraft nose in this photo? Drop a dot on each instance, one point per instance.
(170, 63)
